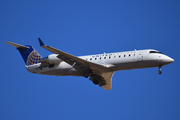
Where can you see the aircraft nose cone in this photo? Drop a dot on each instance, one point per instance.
(166, 60)
(171, 60)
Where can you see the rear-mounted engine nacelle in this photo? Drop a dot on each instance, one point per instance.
(52, 58)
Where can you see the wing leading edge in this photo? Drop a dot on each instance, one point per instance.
(17, 45)
(81, 65)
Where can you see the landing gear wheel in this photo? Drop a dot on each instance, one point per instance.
(87, 72)
(86, 75)
(159, 72)
(95, 82)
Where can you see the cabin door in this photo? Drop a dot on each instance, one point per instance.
(139, 56)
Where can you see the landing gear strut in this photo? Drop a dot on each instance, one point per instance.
(159, 71)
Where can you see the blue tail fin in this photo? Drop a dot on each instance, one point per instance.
(28, 53)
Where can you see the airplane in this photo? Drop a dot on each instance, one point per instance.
(98, 68)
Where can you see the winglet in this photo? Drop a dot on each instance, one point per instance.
(40, 42)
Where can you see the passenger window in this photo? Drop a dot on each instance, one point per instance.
(100, 58)
(119, 56)
(95, 58)
(124, 55)
(114, 56)
(129, 55)
(90, 58)
(104, 57)
(109, 57)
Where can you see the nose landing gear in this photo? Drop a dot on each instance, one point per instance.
(159, 71)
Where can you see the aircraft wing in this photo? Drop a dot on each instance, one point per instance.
(77, 63)
(103, 74)
(108, 78)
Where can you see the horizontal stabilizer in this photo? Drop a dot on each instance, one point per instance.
(17, 45)
(28, 53)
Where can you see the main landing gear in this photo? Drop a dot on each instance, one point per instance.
(87, 73)
(159, 71)
(95, 81)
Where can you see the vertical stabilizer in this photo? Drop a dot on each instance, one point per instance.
(28, 53)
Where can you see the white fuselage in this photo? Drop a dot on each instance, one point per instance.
(113, 61)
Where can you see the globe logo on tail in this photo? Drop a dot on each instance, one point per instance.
(33, 58)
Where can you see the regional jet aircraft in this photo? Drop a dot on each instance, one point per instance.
(99, 68)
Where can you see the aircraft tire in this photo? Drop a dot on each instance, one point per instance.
(160, 72)
(95, 82)
(86, 75)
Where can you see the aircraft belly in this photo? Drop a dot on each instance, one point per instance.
(62, 69)
(62, 72)
(55, 72)
(135, 65)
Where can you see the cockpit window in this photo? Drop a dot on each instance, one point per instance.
(155, 52)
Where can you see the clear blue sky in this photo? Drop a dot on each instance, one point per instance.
(90, 27)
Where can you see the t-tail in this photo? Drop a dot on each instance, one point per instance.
(28, 53)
